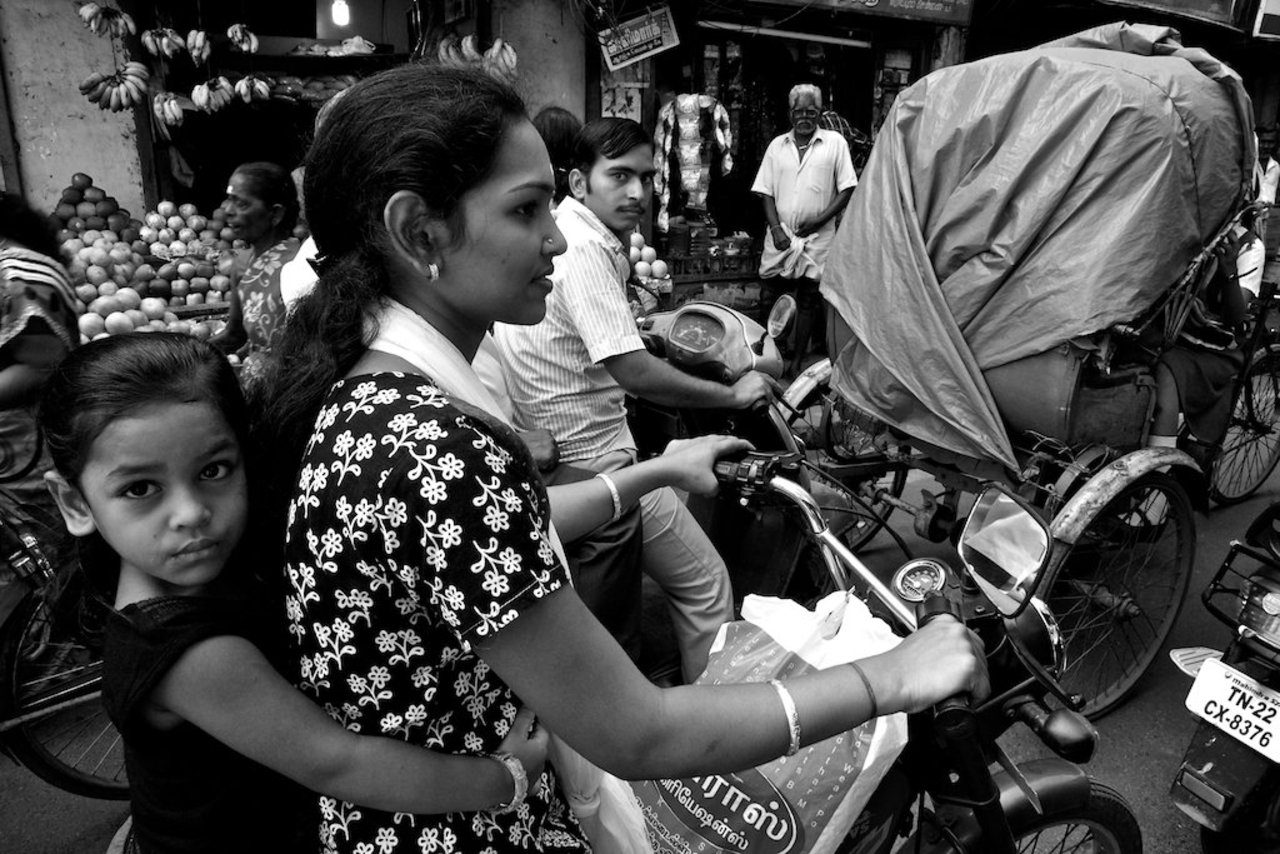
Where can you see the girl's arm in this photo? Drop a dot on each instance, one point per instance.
(582, 686)
(226, 687)
(580, 507)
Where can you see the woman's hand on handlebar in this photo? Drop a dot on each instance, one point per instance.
(691, 462)
(939, 660)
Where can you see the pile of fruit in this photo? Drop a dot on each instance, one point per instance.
(650, 273)
(129, 274)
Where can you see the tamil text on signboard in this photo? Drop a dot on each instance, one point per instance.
(637, 38)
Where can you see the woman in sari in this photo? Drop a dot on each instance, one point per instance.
(263, 209)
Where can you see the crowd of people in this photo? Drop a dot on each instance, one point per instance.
(353, 610)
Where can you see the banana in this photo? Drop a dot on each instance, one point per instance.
(171, 43)
(91, 17)
(200, 96)
(198, 46)
(120, 23)
(151, 41)
(99, 91)
(114, 98)
(509, 58)
(253, 43)
(469, 51)
(173, 112)
(89, 82)
(244, 88)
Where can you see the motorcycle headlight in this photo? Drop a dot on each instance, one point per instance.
(1260, 606)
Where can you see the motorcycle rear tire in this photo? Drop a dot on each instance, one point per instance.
(1104, 824)
(74, 747)
(1116, 594)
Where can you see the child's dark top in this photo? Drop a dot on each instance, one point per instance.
(188, 791)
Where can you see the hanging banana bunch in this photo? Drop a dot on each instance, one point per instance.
(119, 91)
(242, 38)
(500, 61)
(213, 95)
(167, 109)
(198, 46)
(163, 42)
(101, 20)
(253, 88)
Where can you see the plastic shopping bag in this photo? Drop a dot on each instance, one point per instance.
(803, 804)
(603, 805)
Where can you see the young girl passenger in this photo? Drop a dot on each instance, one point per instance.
(147, 436)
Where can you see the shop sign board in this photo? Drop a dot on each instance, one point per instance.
(1267, 24)
(638, 38)
(955, 12)
(1225, 12)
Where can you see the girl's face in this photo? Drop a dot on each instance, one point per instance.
(250, 217)
(166, 488)
(498, 270)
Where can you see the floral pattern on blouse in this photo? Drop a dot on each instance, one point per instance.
(262, 305)
(417, 528)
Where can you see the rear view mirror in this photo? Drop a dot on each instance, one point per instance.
(1005, 546)
(780, 316)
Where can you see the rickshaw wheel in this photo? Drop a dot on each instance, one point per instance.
(1117, 591)
(824, 425)
(1251, 447)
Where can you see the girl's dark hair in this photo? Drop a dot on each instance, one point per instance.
(559, 130)
(272, 183)
(431, 130)
(111, 378)
(24, 225)
(608, 138)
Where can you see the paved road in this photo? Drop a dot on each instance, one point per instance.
(1139, 751)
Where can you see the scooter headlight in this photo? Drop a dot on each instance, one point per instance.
(1260, 606)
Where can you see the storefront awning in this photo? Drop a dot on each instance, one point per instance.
(955, 12)
(1226, 13)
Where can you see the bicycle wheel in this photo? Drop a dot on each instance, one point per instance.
(834, 438)
(1117, 591)
(1251, 448)
(51, 701)
(1104, 824)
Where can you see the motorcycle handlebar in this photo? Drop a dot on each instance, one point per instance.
(953, 716)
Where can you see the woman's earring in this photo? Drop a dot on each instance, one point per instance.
(433, 272)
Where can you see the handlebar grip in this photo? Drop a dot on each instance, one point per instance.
(725, 471)
(935, 605)
(952, 716)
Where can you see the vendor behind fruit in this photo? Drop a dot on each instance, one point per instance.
(262, 208)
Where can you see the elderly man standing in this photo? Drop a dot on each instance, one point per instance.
(805, 180)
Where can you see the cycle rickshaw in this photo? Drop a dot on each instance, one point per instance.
(1031, 235)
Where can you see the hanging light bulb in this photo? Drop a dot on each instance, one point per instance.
(341, 13)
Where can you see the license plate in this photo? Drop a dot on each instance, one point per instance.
(1239, 706)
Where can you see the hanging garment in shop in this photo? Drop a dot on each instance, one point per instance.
(695, 129)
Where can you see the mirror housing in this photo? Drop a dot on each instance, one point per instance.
(1005, 546)
(780, 316)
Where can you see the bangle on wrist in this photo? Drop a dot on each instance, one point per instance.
(866, 683)
(613, 494)
(518, 777)
(793, 717)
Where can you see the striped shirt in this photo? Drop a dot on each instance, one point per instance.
(35, 285)
(555, 369)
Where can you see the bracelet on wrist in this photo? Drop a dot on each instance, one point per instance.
(518, 777)
(613, 495)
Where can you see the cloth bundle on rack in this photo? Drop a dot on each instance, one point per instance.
(695, 128)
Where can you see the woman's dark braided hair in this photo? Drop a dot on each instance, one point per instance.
(428, 129)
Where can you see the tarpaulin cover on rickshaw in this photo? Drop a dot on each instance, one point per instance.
(1018, 202)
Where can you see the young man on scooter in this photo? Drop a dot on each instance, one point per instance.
(571, 373)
